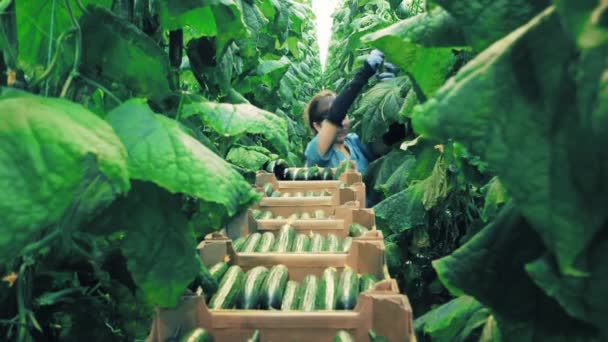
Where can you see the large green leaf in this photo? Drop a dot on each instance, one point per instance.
(485, 21)
(533, 110)
(159, 246)
(402, 211)
(60, 163)
(379, 108)
(585, 21)
(490, 267)
(495, 197)
(114, 51)
(422, 46)
(249, 157)
(256, 21)
(34, 22)
(237, 120)
(161, 152)
(268, 72)
(453, 321)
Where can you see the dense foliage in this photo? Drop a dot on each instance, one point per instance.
(495, 192)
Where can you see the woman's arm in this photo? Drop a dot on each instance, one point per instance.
(331, 126)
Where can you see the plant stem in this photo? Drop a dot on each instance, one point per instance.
(77, 48)
(104, 89)
(51, 66)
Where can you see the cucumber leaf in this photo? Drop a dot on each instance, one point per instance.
(583, 21)
(249, 157)
(161, 152)
(60, 163)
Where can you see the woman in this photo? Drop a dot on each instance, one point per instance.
(326, 115)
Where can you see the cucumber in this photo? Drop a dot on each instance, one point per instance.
(346, 243)
(197, 335)
(268, 189)
(205, 280)
(344, 165)
(301, 243)
(332, 243)
(250, 296)
(285, 239)
(294, 216)
(257, 214)
(275, 194)
(300, 174)
(311, 194)
(266, 243)
(305, 216)
(252, 243)
(274, 287)
(373, 337)
(298, 194)
(342, 186)
(316, 243)
(366, 282)
(279, 218)
(326, 299)
(277, 167)
(255, 337)
(348, 290)
(289, 173)
(320, 214)
(356, 230)
(267, 215)
(343, 336)
(217, 271)
(238, 243)
(312, 173)
(310, 288)
(229, 290)
(291, 297)
(327, 174)
(286, 194)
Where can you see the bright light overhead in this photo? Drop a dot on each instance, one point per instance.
(323, 10)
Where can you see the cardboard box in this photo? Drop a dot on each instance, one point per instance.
(337, 223)
(382, 309)
(337, 198)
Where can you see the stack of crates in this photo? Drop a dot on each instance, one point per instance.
(382, 309)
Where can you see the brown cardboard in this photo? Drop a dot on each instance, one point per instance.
(337, 223)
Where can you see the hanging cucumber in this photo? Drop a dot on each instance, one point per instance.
(238, 243)
(316, 243)
(356, 230)
(229, 290)
(348, 290)
(326, 300)
(249, 298)
(301, 243)
(310, 287)
(197, 335)
(332, 243)
(217, 271)
(285, 239)
(291, 297)
(343, 336)
(274, 287)
(252, 243)
(266, 243)
(346, 243)
(366, 282)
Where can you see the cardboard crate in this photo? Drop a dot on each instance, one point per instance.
(337, 198)
(381, 309)
(337, 223)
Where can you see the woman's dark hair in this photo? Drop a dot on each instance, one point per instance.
(316, 110)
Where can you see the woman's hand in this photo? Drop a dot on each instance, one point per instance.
(375, 59)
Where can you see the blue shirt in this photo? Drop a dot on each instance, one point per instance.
(333, 157)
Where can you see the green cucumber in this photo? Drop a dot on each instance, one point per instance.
(311, 194)
(217, 271)
(257, 214)
(298, 194)
(274, 287)
(255, 337)
(344, 165)
(205, 280)
(312, 173)
(266, 243)
(294, 216)
(275, 194)
(291, 297)
(305, 216)
(343, 336)
(238, 243)
(316, 243)
(310, 288)
(279, 218)
(356, 230)
(277, 167)
(301, 243)
(250, 296)
(289, 173)
(229, 290)
(197, 335)
(373, 337)
(346, 243)
(348, 290)
(268, 189)
(326, 299)
(327, 174)
(332, 243)
(267, 215)
(286, 194)
(320, 214)
(252, 243)
(300, 174)
(285, 239)
(366, 282)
